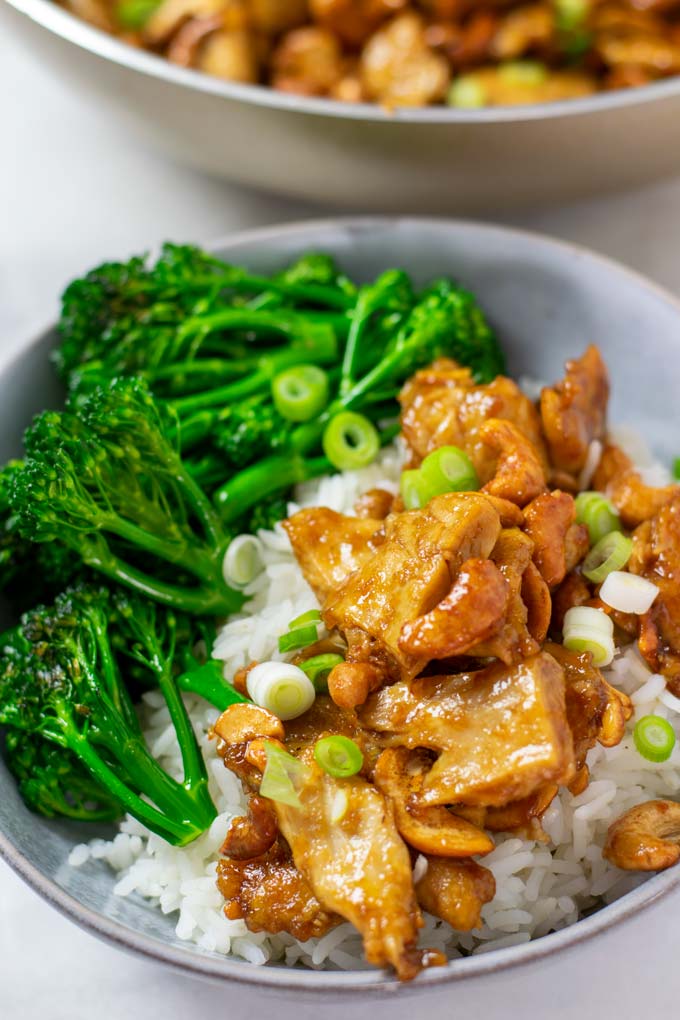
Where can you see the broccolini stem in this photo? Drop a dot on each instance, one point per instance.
(311, 293)
(200, 601)
(259, 480)
(180, 554)
(177, 833)
(208, 681)
(195, 772)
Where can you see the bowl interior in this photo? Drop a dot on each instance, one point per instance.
(547, 300)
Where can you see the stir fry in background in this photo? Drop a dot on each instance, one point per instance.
(464, 53)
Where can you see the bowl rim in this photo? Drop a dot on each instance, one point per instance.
(364, 983)
(61, 23)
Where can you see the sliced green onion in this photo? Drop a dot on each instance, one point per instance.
(300, 393)
(134, 14)
(243, 560)
(311, 616)
(339, 756)
(449, 469)
(283, 776)
(466, 93)
(523, 72)
(654, 738)
(350, 441)
(414, 489)
(587, 629)
(628, 593)
(611, 553)
(298, 638)
(571, 14)
(318, 667)
(598, 514)
(281, 688)
(339, 806)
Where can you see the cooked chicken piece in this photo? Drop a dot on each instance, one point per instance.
(523, 816)
(473, 611)
(230, 54)
(502, 733)
(345, 843)
(656, 556)
(271, 895)
(307, 61)
(510, 514)
(322, 719)
(559, 543)
(409, 574)
(172, 14)
(616, 476)
(536, 597)
(574, 591)
(442, 406)
(274, 16)
(524, 31)
(376, 503)
(253, 834)
(586, 698)
(512, 641)
(645, 838)
(518, 475)
(399, 69)
(330, 546)
(574, 412)
(353, 20)
(399, 774)
(465, 45)
(456, 891)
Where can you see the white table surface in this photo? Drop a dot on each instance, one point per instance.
(73, 191)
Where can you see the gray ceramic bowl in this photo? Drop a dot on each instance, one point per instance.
(429, 160)
(547, 301)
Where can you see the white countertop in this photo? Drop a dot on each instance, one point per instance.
(74, 191)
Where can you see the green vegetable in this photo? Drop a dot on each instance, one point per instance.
(339, 756)
(134, 14)
(298, 638)
(311, 616)
(283, 776)
(350, 441)
(105, 481)
(449, 469)
(587, 629)
(208, 681)
(61, 683)
(598, 515)
(467, 93)
(611, 553)
(414, 489)
(523, 72)
(654, 738)
(676, 469)
(300, 393)
(318, 667)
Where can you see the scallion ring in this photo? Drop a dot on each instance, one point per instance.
(414, 489)
(449, 469)
(311, 616)
(300, 393)
(598, 514)
(628, 593)
(318, 667)
(283, 776)
(298, 638)
(611, 553)
(281, 688)
(339, 756)
(243, 560)
(654, 738)
(587, 629)
(350, 441)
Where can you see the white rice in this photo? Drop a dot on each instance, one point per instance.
(540, 887)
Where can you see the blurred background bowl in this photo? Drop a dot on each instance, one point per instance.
(547, 300)
(419, 160)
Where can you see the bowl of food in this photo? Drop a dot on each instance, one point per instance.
(348, 655)
(378, 105)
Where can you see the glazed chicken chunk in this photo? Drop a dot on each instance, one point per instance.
(500, 732)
